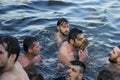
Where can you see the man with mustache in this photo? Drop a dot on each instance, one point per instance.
(32, 48)
(10, 68)
(70, 49)
(31, 56)
(114, 60)
(105, 75)
(63, 29)
(75, 71)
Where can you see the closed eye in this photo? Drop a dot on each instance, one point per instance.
(74, 70)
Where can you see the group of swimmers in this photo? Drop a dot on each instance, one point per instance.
(71, 54)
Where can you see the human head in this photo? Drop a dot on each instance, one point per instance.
(105, 75)
(115, 55)
(31, 45)
(75, 70)
(9, 49)
(76, 37)
(63, 26)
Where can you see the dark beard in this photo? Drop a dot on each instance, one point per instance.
(112, 61)
(63, 33)
(1, 69)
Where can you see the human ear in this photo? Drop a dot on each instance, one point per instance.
(118, 60)
(12, 57)
(80, 76)
(58, 28)
(30, 50)
(71, 41)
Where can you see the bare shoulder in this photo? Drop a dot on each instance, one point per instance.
(20, 58)
(56, 36)
(18, 64)
(7, 76)
(62, 53)
(22, 74)
(63, 46)
(11, 75)
(37, 58)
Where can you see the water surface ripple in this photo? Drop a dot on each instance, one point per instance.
(99, 19)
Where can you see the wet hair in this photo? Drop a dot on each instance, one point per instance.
(73, 33)
(118, 46)
(80, 64)
(61, 21)
(10, 44)
(28, 42)
(105, 75)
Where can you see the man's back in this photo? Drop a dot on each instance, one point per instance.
(65, 54)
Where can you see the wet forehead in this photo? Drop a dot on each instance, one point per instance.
(79, 36)
(36, 43)
(64, 24)
(116, 50)
(74, 67)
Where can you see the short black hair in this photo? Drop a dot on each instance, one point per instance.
(10, 44)
(28, 42)
(73, 33)
(105, 75)
(61, 20)
(80, 64)
(118, 46)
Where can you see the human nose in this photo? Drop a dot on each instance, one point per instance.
(67, 28)
(69, 70)
(40, 46)
(110, 52)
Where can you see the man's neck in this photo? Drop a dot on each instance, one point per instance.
(29, 56)
(9, 67)
(117, 66)
(61, 35)
(114, 66)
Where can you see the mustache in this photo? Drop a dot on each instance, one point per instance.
(68, 75)
(113, 60)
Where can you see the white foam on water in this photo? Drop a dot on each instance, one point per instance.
(33, 27)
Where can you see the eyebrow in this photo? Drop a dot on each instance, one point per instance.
(80, 38)
(73, 70)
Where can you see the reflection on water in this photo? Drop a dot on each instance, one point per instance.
(99, 19)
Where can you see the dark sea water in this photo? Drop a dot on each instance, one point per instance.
(99, 19)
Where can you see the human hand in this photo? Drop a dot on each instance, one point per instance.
(83, 54)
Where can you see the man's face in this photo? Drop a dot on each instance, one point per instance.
(114, 54)
(64, 28)
(79, 40)
(36, 48)
(3, 57)
(72, 72)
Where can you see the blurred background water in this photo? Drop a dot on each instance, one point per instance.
(99, 19)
